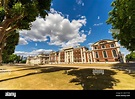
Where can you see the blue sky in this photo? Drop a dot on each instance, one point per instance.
(69, 23)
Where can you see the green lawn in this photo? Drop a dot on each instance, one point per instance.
(62, 78)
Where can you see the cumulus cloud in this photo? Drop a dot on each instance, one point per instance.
(98, 24)
(32, 53)
(22, 41)
(60, 30)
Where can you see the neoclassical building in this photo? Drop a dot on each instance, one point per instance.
(106, 51)
(102, 51)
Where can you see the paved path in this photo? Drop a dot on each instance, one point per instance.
(99, 67)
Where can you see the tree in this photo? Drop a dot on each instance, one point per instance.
(131, 56)
(13, 58)
(122, 18)
(10, 46)
(18, 14)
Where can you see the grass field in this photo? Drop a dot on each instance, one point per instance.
(62, 78)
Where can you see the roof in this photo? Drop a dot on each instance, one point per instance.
(104, 40)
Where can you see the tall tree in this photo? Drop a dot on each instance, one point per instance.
(9, 46)
(18, 14)
(122, 18)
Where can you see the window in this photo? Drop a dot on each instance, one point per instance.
(95, 47)
(97, 60)
(112, 45)
(103, 46)
(105, 54)
(116, 60)
(96, 54)
(106, 60)
(114, 53)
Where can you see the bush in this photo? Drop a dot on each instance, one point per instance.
(23, 61)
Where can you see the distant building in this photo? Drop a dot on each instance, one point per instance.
(39, 59)
(73, 55)
(102, 51)
(53, 57)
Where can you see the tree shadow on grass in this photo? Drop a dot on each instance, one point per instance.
(128, 68)
(88, 81)
(40, 70)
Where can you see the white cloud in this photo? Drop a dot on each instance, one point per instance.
(89, 32)
(124, 51)
(35, 44)
(22, 41)
(59, 29)
(32, 53)
(98, 17)
(80, 2)
(51, 4)
(82, 31)
(89, 45)
(98, 24)
(75, 42)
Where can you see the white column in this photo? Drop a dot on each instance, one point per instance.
(93, 56)
(117, 45)
(118, 49)
(88, 57)
(81, 55)
(72, 57)
(59, 57)
(65, 56)
(55, 58)
(85, 57)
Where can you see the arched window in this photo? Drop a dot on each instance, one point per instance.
(105, 54)
(112, 45)
(103, 46)
(114, 53)
(96, 54)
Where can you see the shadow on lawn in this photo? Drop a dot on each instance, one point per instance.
(84, 77)
(88, 81)
(39, 71)
(128, 68)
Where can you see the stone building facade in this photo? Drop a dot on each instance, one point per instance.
(102, 51)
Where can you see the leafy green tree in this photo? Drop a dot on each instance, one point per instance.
(17, 15)
(13, 58)
(23, 61)
(122, 18)
(131, 56)
(9, 47)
